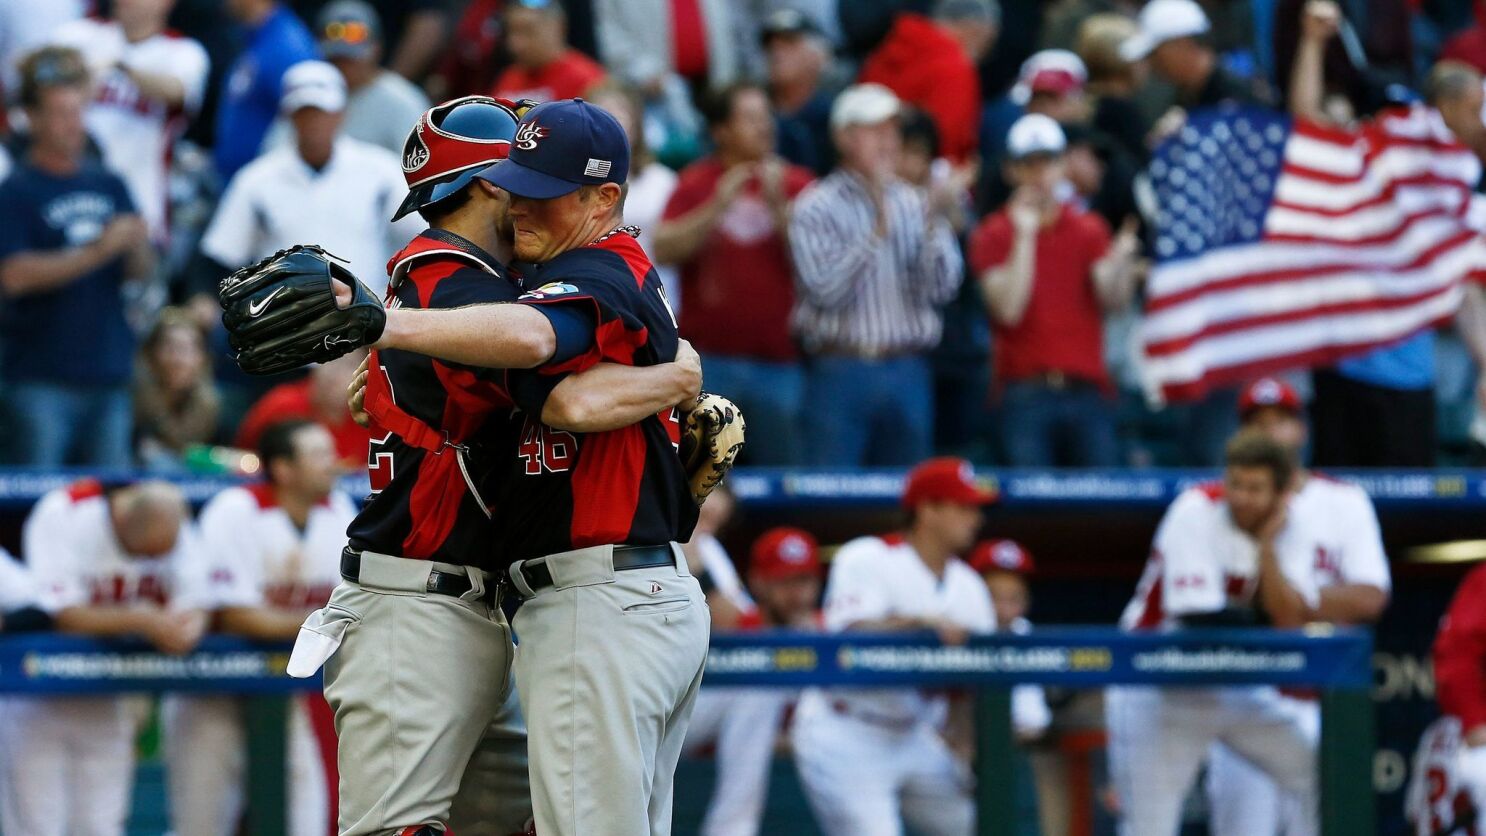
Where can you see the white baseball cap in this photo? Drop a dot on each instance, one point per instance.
(1034, 134)
(1161, 21)
(314, 84)
(864, 104)
(1049, 71)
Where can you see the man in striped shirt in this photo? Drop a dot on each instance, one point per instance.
(874, 263)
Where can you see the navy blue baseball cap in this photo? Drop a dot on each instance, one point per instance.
(560, 146)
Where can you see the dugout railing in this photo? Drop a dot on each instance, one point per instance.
(1336, 662)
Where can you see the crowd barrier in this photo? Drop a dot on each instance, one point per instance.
(1336, 662)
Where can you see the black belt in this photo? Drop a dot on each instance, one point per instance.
(538, 576)
(440, 583)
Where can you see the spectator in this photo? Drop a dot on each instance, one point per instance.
(1050, 82)
(870, 759)
(175, 404)
(382, 106)
(320, 397)
(416, 31)
(1226, 553)
(796, 55)
(1455, 90)
(1357, 74)
(650, 183)
(275, 550)
(645, 42)
(743, 723)
(476, 54)
(932, 63)
(107, 563)
(327, 188)
(276, 41)
(70, 242)
(1173, 37)
(148, 81)
(543, 66)
(1460, 676)
(874, 261)
(726, 227)
(1113, 82)
(26, 25)
(1048, 271)
(1468, 46)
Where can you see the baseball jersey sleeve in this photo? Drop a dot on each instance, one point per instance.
(233, 574)
(1460, 653)
(1191, 578)
(854, 591)
(17, 587)
(191, 587)
(188, 64)
(1363, 560)
(50, 547)
(232, 237)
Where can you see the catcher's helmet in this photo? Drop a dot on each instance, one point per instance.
(451, 143)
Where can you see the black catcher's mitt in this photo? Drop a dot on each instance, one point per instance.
(281, 313)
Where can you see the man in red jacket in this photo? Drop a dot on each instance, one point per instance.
(932, 63)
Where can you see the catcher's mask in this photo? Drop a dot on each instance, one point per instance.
(451, 143)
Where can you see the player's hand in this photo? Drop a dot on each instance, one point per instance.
(1275, 522)
(177, 633)
(689, 362)
(356, 395)
(121, 235)
(950, 633)
(1320, 20)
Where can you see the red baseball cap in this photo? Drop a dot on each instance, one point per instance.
(945, 479)
(784, 552)
(1268, 391)
(1000, 556)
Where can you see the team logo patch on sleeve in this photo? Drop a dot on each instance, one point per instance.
(547, 291)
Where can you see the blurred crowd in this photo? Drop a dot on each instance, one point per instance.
(892, 228)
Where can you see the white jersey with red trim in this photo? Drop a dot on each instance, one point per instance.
(259, 557)
(1202, 563)
(874, 578)
(76, 560)
(17, 587)
(134, 131)
(1341, 514)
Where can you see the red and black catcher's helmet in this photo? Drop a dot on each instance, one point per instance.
(451, 143)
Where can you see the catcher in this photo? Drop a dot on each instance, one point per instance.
(415, 645)
(587, 520)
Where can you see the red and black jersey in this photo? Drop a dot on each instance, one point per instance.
(441, 431)
(573, 490)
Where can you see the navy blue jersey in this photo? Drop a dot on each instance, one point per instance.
(572, 490)
(441, 432)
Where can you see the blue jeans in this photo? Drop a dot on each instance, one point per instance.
(869, 412)
(59, 424)
(1043, 426)
(770, 396)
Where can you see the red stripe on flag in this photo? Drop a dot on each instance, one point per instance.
(1425, 258)
(1387, 195)
(1179, 344)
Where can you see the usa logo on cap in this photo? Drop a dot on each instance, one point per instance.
(528, 135)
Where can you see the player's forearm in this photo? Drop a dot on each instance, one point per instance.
(106, 621)
(1353, 603)
(37, 271)
(260, 623)
(1284, 605)
(501, 336)
(609, 396)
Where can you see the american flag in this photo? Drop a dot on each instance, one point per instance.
(1283, 244)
